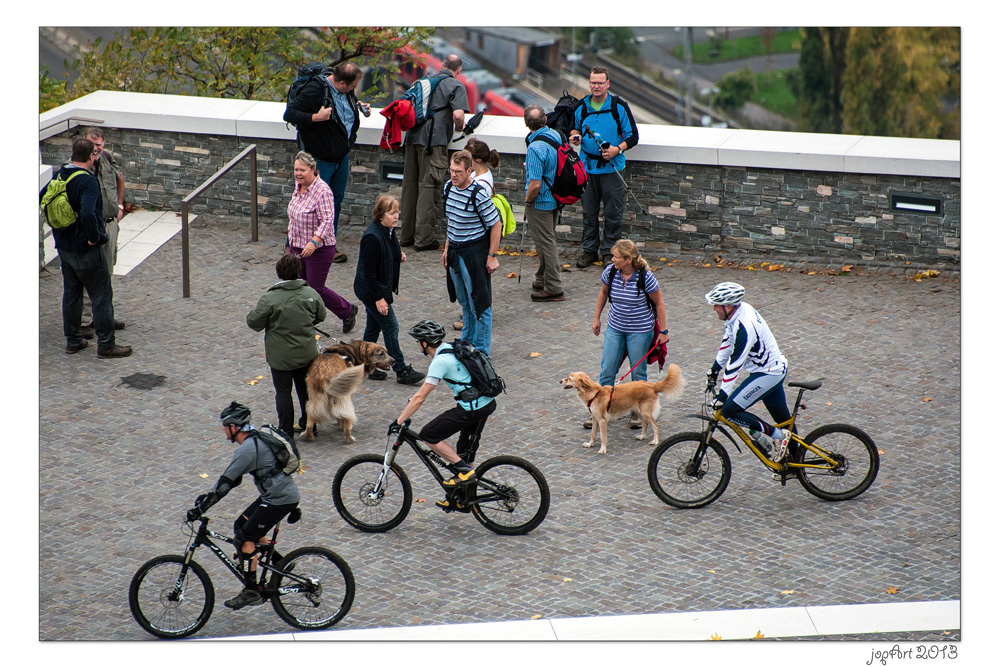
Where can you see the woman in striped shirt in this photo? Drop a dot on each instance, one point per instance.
(311, 235)
(637, 317)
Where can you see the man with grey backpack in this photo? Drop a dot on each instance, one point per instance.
(269, 456)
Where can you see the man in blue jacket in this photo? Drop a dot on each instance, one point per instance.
(82, 258)
(604, 129)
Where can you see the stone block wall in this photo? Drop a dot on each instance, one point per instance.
(753, 212)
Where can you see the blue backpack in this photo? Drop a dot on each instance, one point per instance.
(419, 96)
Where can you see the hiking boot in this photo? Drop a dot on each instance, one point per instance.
(409, 376)
(545, 296)
(536, 285)
(378, 374)
(586, 260)
(634, 421)
(87, 331)
(433, 245)
(780, 439)
(453, 506)
(247, 597)
(589, 422)
(339, 258)
(351, 319)
(461, 478)
(117, 352)
(73, 349)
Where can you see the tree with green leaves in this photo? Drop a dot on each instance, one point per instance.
(903, 82)
(821, 67)
(736, 89)
(250, 63)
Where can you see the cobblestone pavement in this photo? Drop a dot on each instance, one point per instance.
(120, 465)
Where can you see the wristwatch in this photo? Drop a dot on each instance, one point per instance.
(665, 331)
(493, 254)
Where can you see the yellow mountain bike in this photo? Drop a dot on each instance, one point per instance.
(692, 469)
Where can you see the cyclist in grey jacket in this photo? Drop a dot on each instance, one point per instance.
(279, 497)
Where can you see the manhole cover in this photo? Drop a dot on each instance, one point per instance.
(144, 380)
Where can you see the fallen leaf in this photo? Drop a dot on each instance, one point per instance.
(759, 635)
(928, 399)
(711, 571)
(260, 377)
(536, 617)
(775, 267)
(565, 266)
(535, 354)
(253, 382)
(203, 476)
(512, 275)
(567, 580)
(846, 268)
(663, 259)
(421, 500)
(788, 592)
(892, 590)
(811, 273)
(716, 637)
(829, 403)
(881, 452)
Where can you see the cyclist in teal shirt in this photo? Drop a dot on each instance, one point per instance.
(468, 418)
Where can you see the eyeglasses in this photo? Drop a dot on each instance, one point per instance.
(598, 84)
(459, 172)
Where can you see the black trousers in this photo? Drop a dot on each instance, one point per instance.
(283, 381)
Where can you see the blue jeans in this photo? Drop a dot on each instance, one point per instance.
(476, 330)
(616, 345)
(89, 271)
(386, 324)
(335, 174)
(758, 387)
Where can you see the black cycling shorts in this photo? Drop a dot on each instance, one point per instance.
(259, 518)
(467, 423)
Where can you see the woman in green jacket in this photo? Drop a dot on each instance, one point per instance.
(288, 313)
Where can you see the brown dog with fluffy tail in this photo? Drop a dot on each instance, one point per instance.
(333, 378)
(637, 396)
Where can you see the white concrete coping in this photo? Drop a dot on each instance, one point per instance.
(658, 143)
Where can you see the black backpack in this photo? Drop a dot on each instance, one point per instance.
(304, 75)
(561, 118)
(485, 381)
(640, 286)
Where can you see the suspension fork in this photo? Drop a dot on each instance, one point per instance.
(706, 437)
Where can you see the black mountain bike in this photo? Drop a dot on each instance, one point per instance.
(373, 494)
(172, 596)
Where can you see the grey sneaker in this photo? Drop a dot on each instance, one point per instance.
(780, 446)
(247, 597)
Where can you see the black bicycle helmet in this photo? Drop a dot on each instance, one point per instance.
(235, 414)
(429, 331)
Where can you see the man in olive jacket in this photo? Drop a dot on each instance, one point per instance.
(288, 313)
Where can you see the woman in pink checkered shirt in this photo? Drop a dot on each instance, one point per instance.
(311, 236)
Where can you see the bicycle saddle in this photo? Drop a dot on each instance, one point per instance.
(815, 384)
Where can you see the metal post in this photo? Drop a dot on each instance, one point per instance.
(688, 44)
(253, 194)
(185, 254)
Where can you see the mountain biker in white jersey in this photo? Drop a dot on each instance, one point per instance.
(749, 344)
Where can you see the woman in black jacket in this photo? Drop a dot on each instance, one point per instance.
(377, 279)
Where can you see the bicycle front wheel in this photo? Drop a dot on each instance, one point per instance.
(511, 496)
(856, 458)
(170, 600)
(674, 478)
(324, 600)
(352, 488)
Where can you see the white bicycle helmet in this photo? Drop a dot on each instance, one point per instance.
(726, 294)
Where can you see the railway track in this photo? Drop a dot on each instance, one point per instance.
(646, 93)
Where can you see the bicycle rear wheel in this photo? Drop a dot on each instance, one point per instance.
(167, 605)
(512, 496)
(324, 600)
(354, 482)
(857, 462)
(674, 479)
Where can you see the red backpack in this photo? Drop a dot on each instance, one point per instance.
(571, 175)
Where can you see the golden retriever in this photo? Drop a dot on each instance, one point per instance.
(333, 378)
(638, 396)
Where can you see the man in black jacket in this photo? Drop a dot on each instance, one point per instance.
(327, 132)
(82, 258)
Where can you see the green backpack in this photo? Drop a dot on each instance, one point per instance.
(506, 214)
(55, 204)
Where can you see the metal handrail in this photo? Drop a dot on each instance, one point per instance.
(71, 122)
(250, 151)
